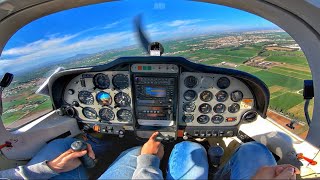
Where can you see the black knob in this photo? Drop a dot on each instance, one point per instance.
(87, 161)
(215, 154)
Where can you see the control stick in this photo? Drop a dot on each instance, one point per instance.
(87, 161)
(215, 154)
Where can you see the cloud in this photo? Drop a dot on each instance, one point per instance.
(114, 24)
(176, 23)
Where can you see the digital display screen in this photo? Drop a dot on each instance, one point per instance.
(156, 91)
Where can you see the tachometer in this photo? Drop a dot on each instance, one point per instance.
(122, 99)
(101, 81)
(206, 96)
(120, 81)
(233, 108)
(106, 114)
(89, 113)
(203, 119)
(219, 108)
(191, 82)
(104, 98)
(124, 115)
(223, 83)
(221, 96)
(190, 95)
(86, 97)
(205, 108)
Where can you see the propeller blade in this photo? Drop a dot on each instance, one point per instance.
(141, 34)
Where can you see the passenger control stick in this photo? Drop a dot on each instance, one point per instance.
(215, 154)
(87, 161)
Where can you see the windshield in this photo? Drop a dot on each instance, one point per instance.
(209, 34)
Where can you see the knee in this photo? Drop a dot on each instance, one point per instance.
(187, 146)
(63, 141)
(132, 151)
(254, 149)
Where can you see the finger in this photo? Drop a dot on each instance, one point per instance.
(279, 170)
(77, 154)
(153, 136)
(90, 151)
(287, 173)
(296, 170)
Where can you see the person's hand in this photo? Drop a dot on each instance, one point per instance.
(285, 171)
(153, 147)
(69, 160)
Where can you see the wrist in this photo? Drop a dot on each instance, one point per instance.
(53, 167)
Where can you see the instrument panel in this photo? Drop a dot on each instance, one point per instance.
(173, 97)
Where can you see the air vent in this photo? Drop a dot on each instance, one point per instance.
(250, 116)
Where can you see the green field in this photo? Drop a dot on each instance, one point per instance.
(286, 101)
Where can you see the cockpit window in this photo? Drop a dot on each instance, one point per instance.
(209, 34)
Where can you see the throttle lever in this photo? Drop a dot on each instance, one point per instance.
(87, 161)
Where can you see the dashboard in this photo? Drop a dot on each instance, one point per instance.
(172, 95)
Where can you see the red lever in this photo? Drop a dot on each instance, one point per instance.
(6, 144)
(310, 161)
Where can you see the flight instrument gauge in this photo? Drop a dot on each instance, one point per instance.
(187, 118)
(223, 83)
(203, 119)
(189, 107)
(219, 108)
(120, 81)
(233, 108)
(101, 81)
(85, 97)
(104, 98)
(221, 96)
(106, 114)
(217, 119)
(205, 108)
(124, 115)
(122, 99)
(236, 96)
(190, 95)
(206, 96)
(191, 82)
(89, 113)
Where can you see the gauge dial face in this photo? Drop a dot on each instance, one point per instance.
(104, 98)
(217, 119)
(120, 81)
(221, 96)
(124, 115)
(223, 83)
(122, 99)
(189, 107)
(86, 97)
(190, 95)
(205, 108)
(106, 114)
(101, 81)
(191, 82)
(89, 113)
(203, 119)
(236, 96)
(206, 96)
(233, 108)
(219, 108)
(187, 118)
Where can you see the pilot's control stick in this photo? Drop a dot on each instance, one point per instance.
(215, 154)
(87, 161)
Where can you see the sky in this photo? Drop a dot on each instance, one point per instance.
(99, 27)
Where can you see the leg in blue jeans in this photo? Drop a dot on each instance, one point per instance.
(245, 162)
(188, 160)
(53, 150)
(124, 166)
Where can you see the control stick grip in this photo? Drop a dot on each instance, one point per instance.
(87, 161)
(215, 154)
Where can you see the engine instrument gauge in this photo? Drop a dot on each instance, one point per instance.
(236, 96)
(122, 99)
(223, 83)
(206, 96)
(124, 115)
(104, 98)
(89, 113)
(203, 119)
(101, 81)
(120, 81)
(187, 118)
(86, 97)
(217, 119)
(189, 107)
(205, 108)
(190, 95)
(190, 82)
(219, 108)
(233, 108)
(106, 114)
(221, 96)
